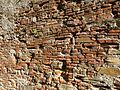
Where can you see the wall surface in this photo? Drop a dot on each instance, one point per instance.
(59, 45)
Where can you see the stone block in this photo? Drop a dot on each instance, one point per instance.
(84, 40)
(22, 87)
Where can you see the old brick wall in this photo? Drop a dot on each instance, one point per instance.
(62, 45)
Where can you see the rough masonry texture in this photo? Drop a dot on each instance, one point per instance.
(59, 45)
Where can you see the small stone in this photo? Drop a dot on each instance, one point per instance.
(1, 37)
(12, 51)
(1, 84)
(38, 86)
(58, 72)
(34, 19)
(12, 60)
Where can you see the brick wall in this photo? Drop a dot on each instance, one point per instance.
(64, 45)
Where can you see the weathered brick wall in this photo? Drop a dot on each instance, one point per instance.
(63, 45)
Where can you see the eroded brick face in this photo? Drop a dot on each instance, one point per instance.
(62, 45)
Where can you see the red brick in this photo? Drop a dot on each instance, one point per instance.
(114, 31)
(24, 21)
(111, 33)
(108, 41)
(101, 40)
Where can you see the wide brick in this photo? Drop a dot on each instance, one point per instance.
(114, 31)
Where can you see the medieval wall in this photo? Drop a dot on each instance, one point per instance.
(60, 45)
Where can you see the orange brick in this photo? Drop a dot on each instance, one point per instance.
(114, 31)
(24, 21)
